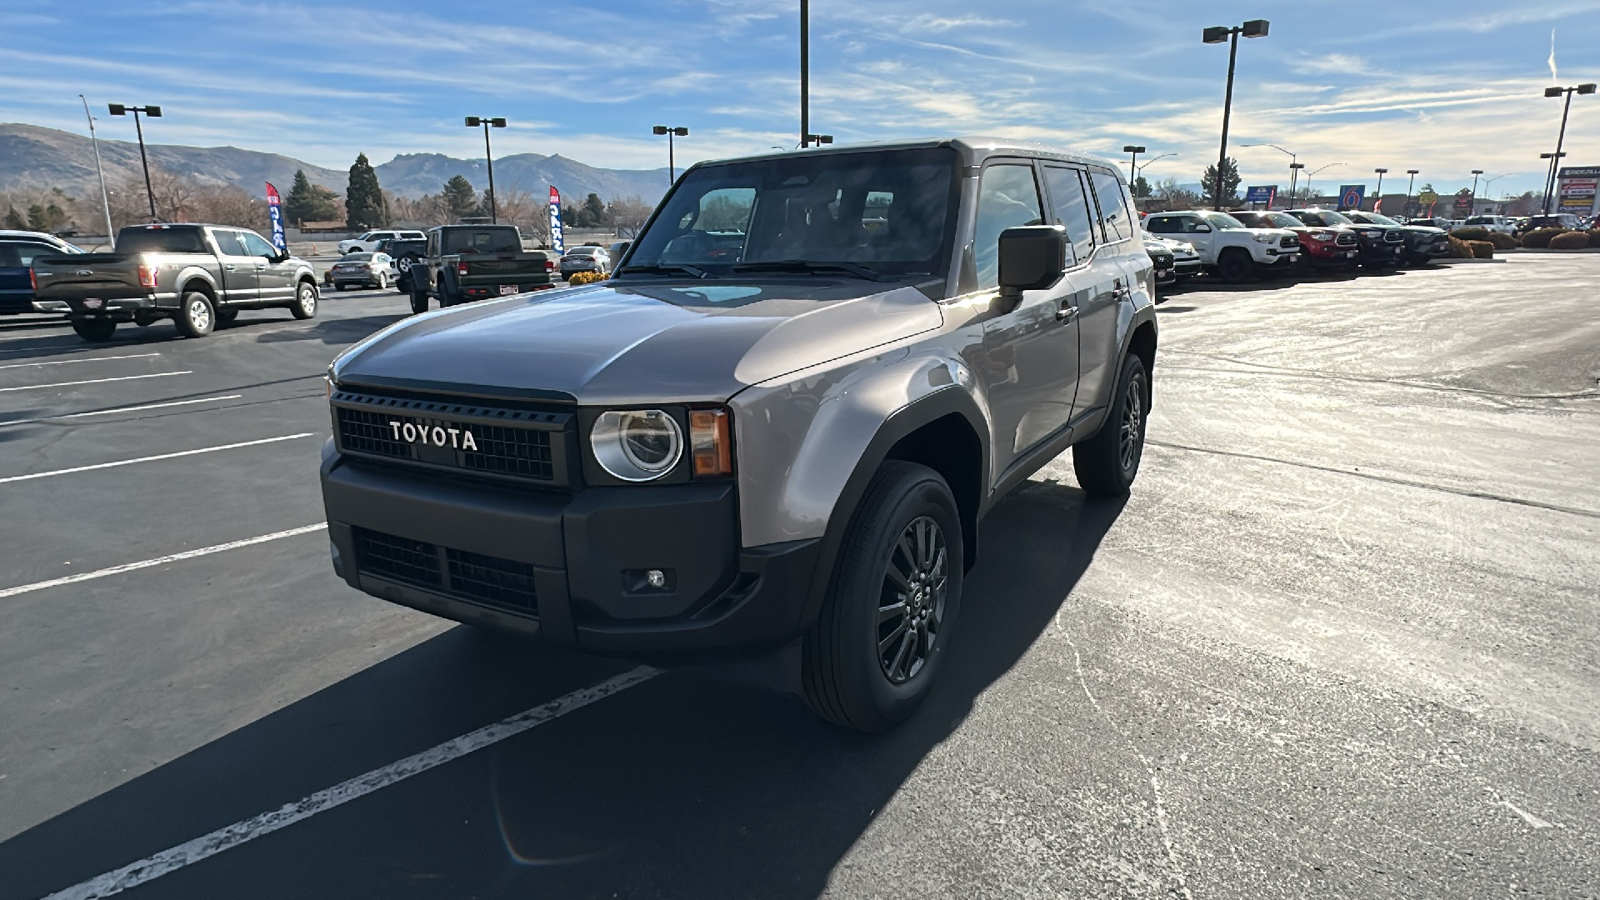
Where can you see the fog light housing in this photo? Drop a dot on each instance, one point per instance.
(649, 581)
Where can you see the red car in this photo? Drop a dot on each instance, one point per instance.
(1323, 247)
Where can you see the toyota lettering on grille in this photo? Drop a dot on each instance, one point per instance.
(434, 435)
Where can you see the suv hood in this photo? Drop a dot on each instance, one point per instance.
(632, 343)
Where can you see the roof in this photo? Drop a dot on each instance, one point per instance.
(973, 149)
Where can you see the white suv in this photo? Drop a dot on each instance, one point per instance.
(1225, 245)
(1489, 223)
(368, 242)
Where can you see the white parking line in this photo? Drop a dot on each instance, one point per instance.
(158, 561)
(231, 836)
(67, 362)
(145, 459)
(121, 409)
(40, 387)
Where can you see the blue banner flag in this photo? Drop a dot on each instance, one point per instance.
(275, 213)
(556, 242)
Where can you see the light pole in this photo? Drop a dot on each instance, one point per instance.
(1555, 162)
(672, 160)
(154, 112)
(1472, 199)
(805, 73)
(817, 139)
(1293, 169)
(1312, 174)
(105, 199)
(1411, 184)
(1550, 177)
(1377, 197)
(488, 157)
(1254, 28)
(1151, 160)
(1486, 188)
(1133, 162)
(1294, 178)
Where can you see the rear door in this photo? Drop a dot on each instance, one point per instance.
(274, 280)
(240, 280)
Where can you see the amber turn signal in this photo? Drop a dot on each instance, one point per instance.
(709, 442)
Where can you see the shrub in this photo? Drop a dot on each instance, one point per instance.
(1474, 233)
(1540, 237)
(1459, 248)
(585, 278)
(1503, 241)
(1594, 238)
(1481, 249)
(1572, 240)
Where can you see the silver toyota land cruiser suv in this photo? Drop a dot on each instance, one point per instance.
(782, 420)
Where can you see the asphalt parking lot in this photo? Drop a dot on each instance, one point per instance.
(1342, 641)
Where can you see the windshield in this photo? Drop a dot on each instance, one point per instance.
(583, 251)
(887, 213)
(1375, 219)
(1222, 220)
(357, 257)
(1321, 217)
(1480, 220)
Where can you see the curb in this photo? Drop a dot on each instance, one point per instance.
(1457, 262)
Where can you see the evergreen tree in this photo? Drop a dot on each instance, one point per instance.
(364, 206)
(594, 211)
(459, 197)
(46, 218)
(1230, 183)
(15, 221)
(569, 216)
(308, 202)
(1141, 188)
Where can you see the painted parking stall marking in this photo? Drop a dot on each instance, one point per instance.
(153, 867)
(145, 459)
(40, 387)
(123, 409)
(68, 362)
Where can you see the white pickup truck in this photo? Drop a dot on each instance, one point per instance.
(1226, 246)
(368, 243)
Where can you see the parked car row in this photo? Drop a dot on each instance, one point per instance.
(1244, 245)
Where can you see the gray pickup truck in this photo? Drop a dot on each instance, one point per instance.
(463, 263)
(196, 275)
(781, 421)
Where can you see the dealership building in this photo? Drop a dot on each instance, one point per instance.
(1575, 190)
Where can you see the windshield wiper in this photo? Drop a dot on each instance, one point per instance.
(668, 269)
(803, 265)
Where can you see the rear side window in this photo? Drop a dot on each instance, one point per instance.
(21, 253)
(1113, 208)
(1008, 197)
(1162, 225)
(161, 240)
(1070, 207)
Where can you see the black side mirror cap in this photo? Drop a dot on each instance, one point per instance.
(1032, 258)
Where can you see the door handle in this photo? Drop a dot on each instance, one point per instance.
(261, 268)
(1066, 313)
(230, 267)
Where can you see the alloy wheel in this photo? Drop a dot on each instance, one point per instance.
(200, 314)
(912, 604)
(1132, 423)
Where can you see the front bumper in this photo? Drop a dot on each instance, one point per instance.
(1331, 254)
(1381, 253)
(567, 569)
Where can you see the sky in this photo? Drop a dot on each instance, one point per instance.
(1443, 87)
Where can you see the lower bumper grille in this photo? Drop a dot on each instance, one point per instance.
(486, 580)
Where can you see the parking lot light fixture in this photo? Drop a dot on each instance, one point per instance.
(1561, 137)
(1294, 178)
(817, 139)
(1377, 195)
(1311, 174)
(1133, 163)
(488, 157)
(1293, 169)
(1409, 185)
(154, 112)
(1255, 28)
(1473, 197)
(671, 131)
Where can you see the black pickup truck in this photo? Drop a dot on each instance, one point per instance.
(463, 263)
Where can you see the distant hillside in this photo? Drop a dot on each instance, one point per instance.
(31, 156)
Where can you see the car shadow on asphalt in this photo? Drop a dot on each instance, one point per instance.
(701, 783)
(334, 331)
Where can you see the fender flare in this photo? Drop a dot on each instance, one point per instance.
(909, 418)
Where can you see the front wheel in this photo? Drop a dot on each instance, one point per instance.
(419, 300)
(1107, 463)
(884, 630)
(96, 330)
(196, 317)
(305, 301)
(383, 281)
(1236, 266)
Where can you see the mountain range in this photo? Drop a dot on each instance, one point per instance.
(32, 156)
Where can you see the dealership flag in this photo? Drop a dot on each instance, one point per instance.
(275, 213)
(556, 243)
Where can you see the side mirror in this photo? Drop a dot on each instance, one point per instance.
(1032, 258)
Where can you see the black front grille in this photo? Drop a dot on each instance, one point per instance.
(1345, 238)
(1290, 242)
(516, 444)
(485, 580)
(1394, 237)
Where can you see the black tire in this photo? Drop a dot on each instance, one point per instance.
(1107, 463)
(383, 281)
(1235, 266)
(338, 285)
(196, 315)
(305, 301)
(419, 300)
(863, 666)
(227, 316)
(96, 330)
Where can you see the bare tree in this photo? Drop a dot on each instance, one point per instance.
(629, 214)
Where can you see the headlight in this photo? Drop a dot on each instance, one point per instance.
(1260, 238)
(1186, 248)
(636, 444)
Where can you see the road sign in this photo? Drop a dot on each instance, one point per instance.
(1351, 195)
(1264, 193)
